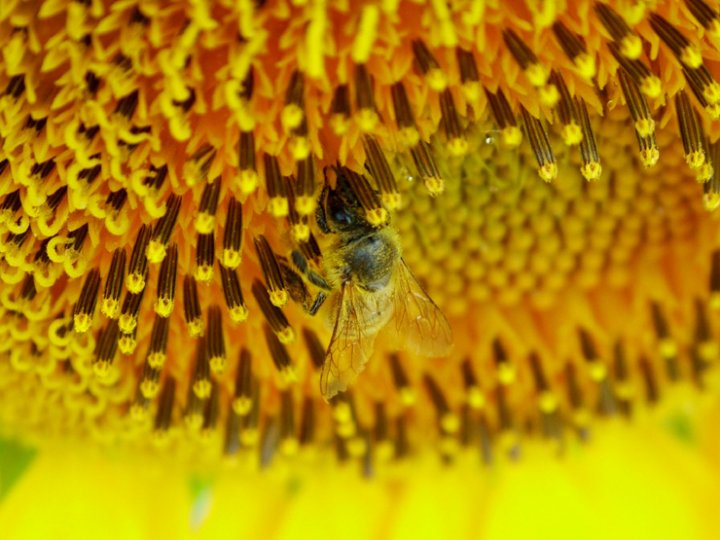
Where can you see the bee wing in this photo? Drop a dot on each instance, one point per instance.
(350, 345)
(420, 325)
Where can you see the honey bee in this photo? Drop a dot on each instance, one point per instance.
(367, 285)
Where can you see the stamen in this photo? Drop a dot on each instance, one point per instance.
(233, 295)
(448, 420)
(652, 391)
(276, 287)
(205, 220)
(580, 416)
(704, 345)
(280, 356)
(305, 200)
(157, 247)
(105, 348)
(504, 118)
(591, 168)
(314, 347)
(485, 437)
(691, 132)
(384, 447)
(705, 15)
(163, 417)
(457, 145)
(505, 370)
(711, 189)
(84, 309)
(299, 143)
(130, 310)
(110, 306)
(642, 119)
(278, 203)
(157, 351)
(714, 299)
(667, 347)
(402, 442)
(629, 44)
(469, 76)
(567, 112)
(429, 66)
(623, 387)
(540, 144)
(212, 409)
(687, 53)
(375, 214)
(299, 227)
(293, 113)
(288, 439)
(649, 83)
(274, 316)
(232, 235)
(366, 114)
(400, 378)
(474, 395)
(201, 385)
(27, 289)
(547, 400)
(139, 408)
(525, 57)
(249, 434)
(427, 168)
(404, 117)
(508, 437)
(205, 257)
(166, 283)
(216, 341)
(242, 400)
(380, 170)
(705, 88)
(575, 50)
(194, 409)
(340, 110)
(197, 167)
(248, 178)
(149, 385)
(597, 369)
(126, 105)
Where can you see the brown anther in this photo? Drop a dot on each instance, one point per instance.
(232, 235)
(201, 385)
(299, 227)
(400, 378)
(614, 24)
(380, 170)
(505, 369)
(474, 395)
(448, 421)
(233, 295)
(212, 408)
(704, 14)
(279, 354)
(575, 50)
(217, 356)
(163, 417)
(623, 389)
(198, 165)
(457, 145)
(591, 168)
(273, 315)
(55, 198)
(525, 57)
(293, 113)
(84, 308)
(249, 425)
(469, 76)
(276, 287)
(506, 423)
(205, 257)
(165, 300)
(575, 399)
(314, 347)
(27, 288)
(126, 105)
(427, 168)
(402, 441)
(110, 306)
(404, 117)
(15, 86)
(667, 346)
(288, 436)
(305, 187)
(195, 408)
(157, 351)
(691, 131)
(130, 311)
(162, 230)
(242, 398)
(307, 424)
(596, 367)
(205, 220)
(642, 119)
(149, 383)
(116, 200)
(365, 110)
(652, 390)
(247, 169)
(647, 81)
(137, 270)
(191, 307)
(76, 240)
(275, 186)
(340, 110)
(375, 214)
(428, 66)
(688, 54)
(540, 144)
(231, 446)
(106, 347)
(567, 112)
(311, 249)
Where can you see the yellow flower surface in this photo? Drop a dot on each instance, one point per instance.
(548, 171)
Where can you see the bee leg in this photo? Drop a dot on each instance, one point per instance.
(319, 301)
(316, 279)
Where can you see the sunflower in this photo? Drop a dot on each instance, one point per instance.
(550, 172)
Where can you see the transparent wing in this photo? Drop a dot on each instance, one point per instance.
(350, 345)
(420, 325)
